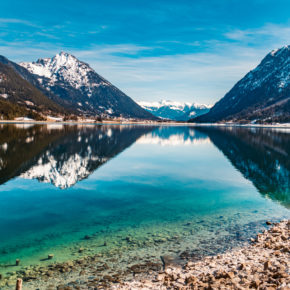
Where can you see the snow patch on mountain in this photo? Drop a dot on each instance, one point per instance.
(4, 96)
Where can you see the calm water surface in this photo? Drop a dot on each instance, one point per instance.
(144, 191)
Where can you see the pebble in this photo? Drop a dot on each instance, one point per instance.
(247, 267)
(261, 264)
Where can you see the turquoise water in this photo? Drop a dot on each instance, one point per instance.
(208, 188)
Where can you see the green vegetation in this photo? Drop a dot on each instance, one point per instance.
(10, 111)
(19, 98)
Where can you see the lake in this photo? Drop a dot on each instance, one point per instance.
(136, 192)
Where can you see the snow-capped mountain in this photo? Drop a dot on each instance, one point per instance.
(174, 110)
(263, 95)
(81, 88)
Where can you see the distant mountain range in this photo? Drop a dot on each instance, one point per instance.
(175, 110)
(262, 96)
(66, 85)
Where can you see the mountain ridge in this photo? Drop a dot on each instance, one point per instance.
(261, 96)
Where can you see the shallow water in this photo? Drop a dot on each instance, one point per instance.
(143, 191)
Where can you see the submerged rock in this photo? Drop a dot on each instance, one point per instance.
(170, 261)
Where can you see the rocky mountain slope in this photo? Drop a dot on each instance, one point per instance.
(262, 96)
(81, 88)
(174, 110)
(33, 80)
(18, 97)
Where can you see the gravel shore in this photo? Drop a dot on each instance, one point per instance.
(264, 264)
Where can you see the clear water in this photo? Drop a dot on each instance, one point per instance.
(170, 189)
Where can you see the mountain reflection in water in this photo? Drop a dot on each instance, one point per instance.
(63, 155)
(260, 154)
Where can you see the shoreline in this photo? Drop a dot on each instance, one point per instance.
(263, 264)
(149, 123)
(239, 267)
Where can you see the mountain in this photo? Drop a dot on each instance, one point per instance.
(174, 110)
(262, 96)
(33, 80)
(81, 88)
(18, 97)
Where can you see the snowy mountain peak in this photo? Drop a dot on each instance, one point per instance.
(62, 67)
(65, 59)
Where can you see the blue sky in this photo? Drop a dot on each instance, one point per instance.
(152, 50)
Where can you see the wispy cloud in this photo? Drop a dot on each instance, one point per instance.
(117, 49)
(47, 35)
(274, 33)
(6, 21)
